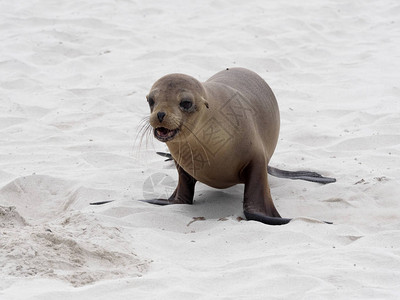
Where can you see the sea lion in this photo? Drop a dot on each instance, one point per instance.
(221, 132)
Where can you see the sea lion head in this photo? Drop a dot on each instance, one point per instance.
(176, 102)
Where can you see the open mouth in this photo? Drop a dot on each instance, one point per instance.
(164, 134)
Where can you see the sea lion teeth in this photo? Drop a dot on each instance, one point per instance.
(164, 134)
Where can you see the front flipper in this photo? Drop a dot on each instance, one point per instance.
(270, 220)
(257, 203)
(266, 219)
(158, 201)
(184, 192)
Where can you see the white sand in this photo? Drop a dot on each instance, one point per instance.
(73, 80)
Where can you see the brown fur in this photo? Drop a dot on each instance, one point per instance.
(226, 138)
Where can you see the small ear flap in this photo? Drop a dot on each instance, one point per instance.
(205, 102)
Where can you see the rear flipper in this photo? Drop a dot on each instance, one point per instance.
(167, 155)
(302, 175)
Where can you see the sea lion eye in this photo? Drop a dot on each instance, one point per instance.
(186, 104)
(150, 101)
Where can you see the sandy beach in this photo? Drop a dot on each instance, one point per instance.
(73, 81)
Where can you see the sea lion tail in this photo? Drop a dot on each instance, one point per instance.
(302, 175)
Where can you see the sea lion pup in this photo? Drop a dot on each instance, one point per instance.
(221, 132)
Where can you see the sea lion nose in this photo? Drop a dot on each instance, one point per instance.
(160, 116)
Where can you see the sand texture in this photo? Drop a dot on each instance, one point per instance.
(73, 81)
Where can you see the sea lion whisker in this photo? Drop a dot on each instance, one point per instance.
(144, 128)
